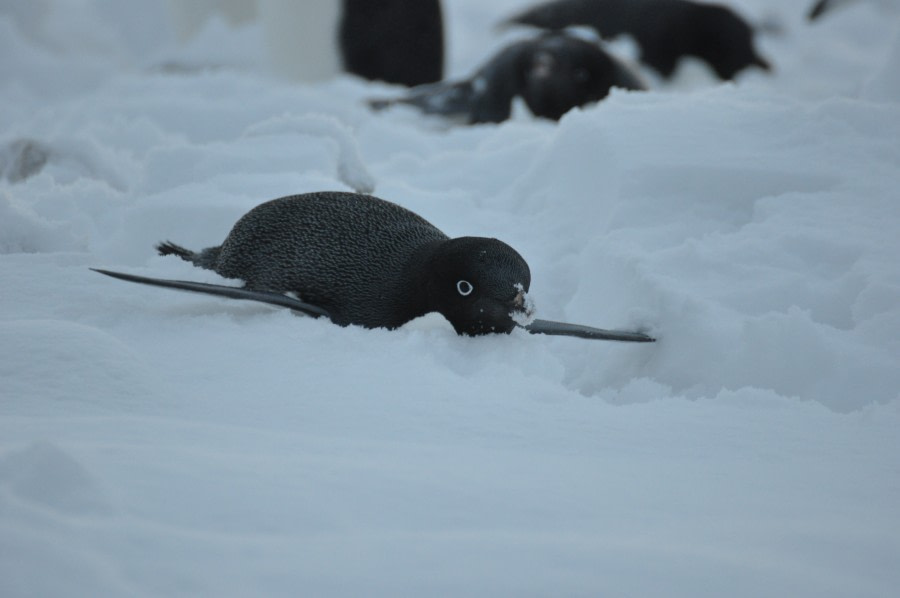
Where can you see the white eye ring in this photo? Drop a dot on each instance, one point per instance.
(464, 287)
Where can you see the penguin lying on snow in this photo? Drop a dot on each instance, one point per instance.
(665, 30)
(553, 74)
(357, 259)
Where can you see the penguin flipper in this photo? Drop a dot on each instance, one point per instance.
(445, 98)
(564, 329)
(224, 291)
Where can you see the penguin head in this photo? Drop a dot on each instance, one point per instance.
(480, 285)
(563, 72)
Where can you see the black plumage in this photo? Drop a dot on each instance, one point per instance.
(552, 74)
(397, 41)
(665, 30)
(369, 262)
(357, 259)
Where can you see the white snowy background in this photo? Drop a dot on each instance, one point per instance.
(157, 443)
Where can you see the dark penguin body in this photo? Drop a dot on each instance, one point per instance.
(357, 259)
(665, 30)
(397, 41)
(553, 74)
(370, 262)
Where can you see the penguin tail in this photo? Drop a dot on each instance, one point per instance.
(205, 259)
(169, 248)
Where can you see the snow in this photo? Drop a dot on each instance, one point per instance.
(162, 443)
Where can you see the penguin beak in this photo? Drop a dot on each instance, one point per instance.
(543, 66)
(522, 308)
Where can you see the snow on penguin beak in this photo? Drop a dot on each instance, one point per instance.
(522, 307)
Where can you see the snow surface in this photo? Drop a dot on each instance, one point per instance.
(156, 443)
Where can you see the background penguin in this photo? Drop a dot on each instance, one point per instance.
(553, 74)
(665, 30)
(396, 41)
(357, 259)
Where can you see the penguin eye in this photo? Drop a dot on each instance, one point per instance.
(464, 287)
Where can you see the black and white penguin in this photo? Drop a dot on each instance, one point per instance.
(552, 74)
(361, 260)
(665, 30)
(397, 41)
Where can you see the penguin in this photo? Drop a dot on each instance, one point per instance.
(360, 260)
(665, 30)
(552, 73)
(396, 41)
